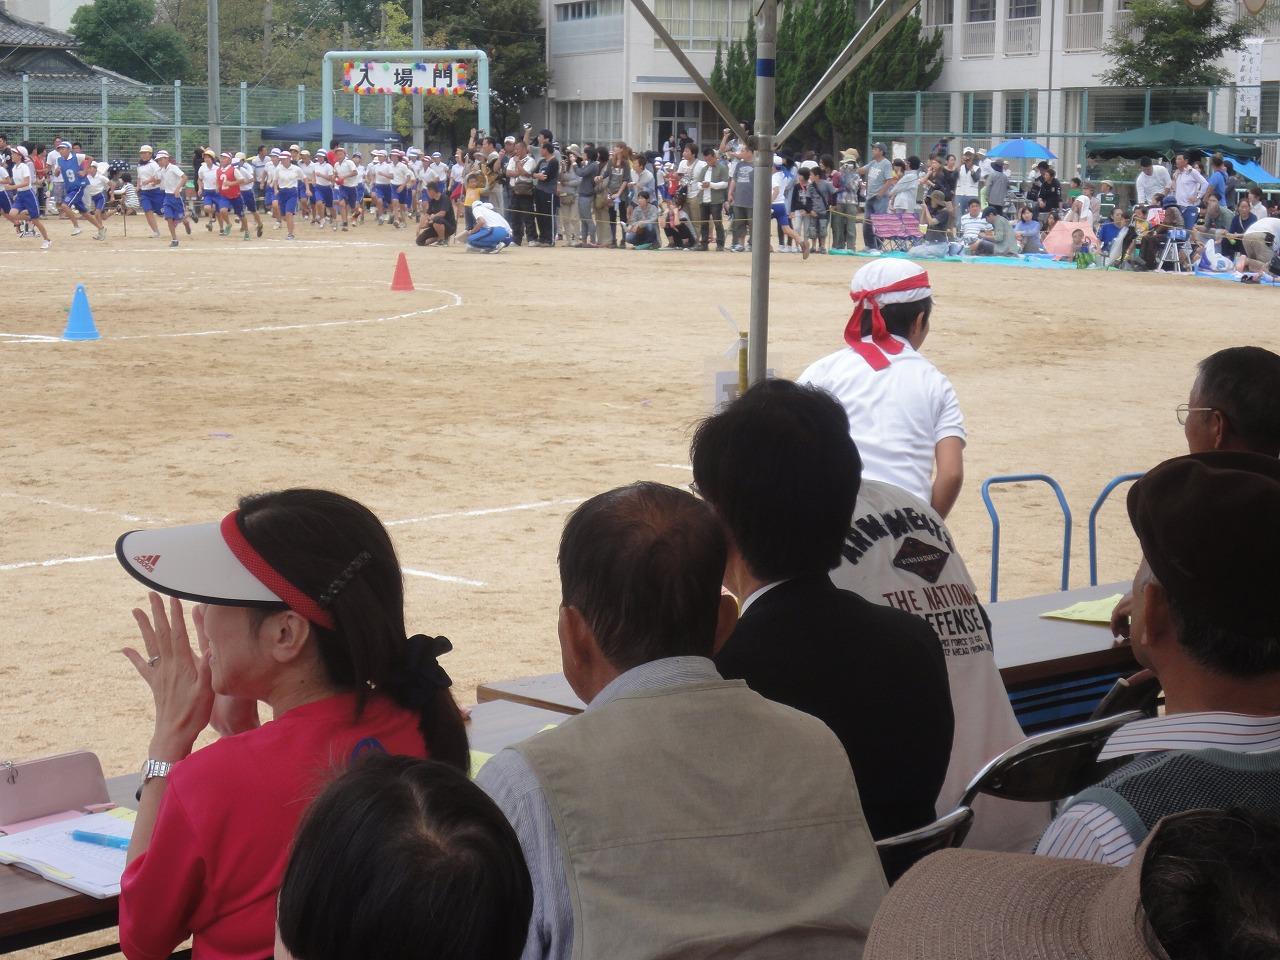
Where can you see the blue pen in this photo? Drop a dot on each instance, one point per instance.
(101, 839)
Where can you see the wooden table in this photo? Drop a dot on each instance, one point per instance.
(34, 911)
(1029, 650)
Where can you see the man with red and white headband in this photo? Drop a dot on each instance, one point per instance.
(903, 413)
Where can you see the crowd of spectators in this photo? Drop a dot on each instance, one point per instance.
(764, 703)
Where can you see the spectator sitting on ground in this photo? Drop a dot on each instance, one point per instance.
(301, 606)
(675, 224)
(875, 676)
(1232, 406)
(1241, 221)
(903, 413)
(1027, 232)
(642, 227)
(973, 225)
(1115, 237)
(1203, 887)
(681, 813)
(1001, 242)
(400, 859)
(1203, 625)
(1079, 245)
(936, 212)
(1261, 241)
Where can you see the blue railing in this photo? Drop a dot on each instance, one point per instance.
(1093, 522)
(995, 523)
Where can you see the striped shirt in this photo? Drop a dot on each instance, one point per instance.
(1089, 831)
(514, 787)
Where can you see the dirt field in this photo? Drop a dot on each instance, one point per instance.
(475, 412)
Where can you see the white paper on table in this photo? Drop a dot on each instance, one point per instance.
(86, 867)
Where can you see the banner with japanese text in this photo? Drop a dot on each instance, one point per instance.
(432, 79)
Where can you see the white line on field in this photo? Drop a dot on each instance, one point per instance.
(443, 577)
(132, 518)
(268, 328)
(487, 511)
(56, 562)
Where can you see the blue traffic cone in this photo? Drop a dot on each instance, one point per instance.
(80, 319)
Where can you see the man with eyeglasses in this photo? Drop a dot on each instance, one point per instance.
(1234, 405)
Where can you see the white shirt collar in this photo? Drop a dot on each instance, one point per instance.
(756, 595)
(1220, 730)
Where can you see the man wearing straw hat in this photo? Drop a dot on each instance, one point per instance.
(1203, 885)
(846, 181)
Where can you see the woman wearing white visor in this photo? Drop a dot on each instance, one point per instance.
(300, 605)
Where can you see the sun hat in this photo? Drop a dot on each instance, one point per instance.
(1169, 200)
(22, 151)
(305, 153)
(966, 150)
(275, 152)
(212, 563)
(976, 905)
(435, 155)
(293, 147)
(145, 148)
(208, 153)
(239, 155)
(850, 154)
(574, 148)
(229, 155)
(162, 153)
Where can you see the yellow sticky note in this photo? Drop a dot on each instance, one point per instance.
(1087, 611)
(478, 759)
(123, 813)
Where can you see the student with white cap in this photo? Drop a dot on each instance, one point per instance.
(383, 195)
(247, 177)
(172, 181)
(345, 176)
(491, 232)
(903, 413)
(287, 179)
(150, 192)
(26, 205)
(300, 605)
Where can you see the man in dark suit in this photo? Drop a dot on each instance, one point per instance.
(781, 472)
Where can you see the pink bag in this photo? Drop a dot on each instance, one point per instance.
(48, 789)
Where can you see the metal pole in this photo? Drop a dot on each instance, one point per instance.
(26, 107)
(419, 135)
(244, 116)
(215, 81)
(105, 147)
(761, 228)
(177, 118)
(302, 102)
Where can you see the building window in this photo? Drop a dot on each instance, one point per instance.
(1023, 9)
(589, 121)
(702, 24)
(979, 109)
(588, 10)
(937, 13)
(1019, 112)
(981, 11)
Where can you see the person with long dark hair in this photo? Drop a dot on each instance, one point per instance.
(300, 605)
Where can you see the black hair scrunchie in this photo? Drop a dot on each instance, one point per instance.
(423, 674)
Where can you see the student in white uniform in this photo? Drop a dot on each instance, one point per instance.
(304, 183)
(345, 177)
(322, 178)
(247, 175)
(26, 207)
(288, 177)
(903, 413)
(382, 190)
(207, 181)
(95, 195)
(400, 176)
(150, 193)
(172, 181)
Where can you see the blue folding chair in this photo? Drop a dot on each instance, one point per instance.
(995, 523)
(1093, 522)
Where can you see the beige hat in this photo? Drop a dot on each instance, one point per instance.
(850, 154)
(976, 905)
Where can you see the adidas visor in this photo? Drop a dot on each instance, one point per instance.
(212, 563)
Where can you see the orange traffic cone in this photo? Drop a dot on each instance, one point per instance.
(401, 280)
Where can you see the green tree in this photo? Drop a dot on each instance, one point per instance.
(122, 35)
(1168, 43)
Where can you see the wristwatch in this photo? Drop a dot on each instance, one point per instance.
(152, 770)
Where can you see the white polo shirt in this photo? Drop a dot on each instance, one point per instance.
(490, 218)
(287, 177)
(896, 415)
(172, 179)
(208, 176)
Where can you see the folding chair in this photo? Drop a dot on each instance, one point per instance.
(1052, 766)
(1140, 692)
(1174, 251)
(896, 231)
(898, 854)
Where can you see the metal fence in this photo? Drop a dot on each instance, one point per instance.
(111, 118)
(1063, 119)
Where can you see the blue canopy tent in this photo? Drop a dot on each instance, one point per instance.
(344, 130)
(1254, 172)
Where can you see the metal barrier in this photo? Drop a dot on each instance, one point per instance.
(1093, 522)
(995, 523)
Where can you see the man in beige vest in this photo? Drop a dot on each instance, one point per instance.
(681, 815)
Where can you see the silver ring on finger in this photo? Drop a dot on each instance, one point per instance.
(153, 661)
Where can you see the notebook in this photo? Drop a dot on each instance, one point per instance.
(85, 867)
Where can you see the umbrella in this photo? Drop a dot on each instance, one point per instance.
(309, 132)
(1020, 149)
(1166, 139)
(1058, 240)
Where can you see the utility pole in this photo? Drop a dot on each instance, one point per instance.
(761, 227)
(215, 82)
(419, 135)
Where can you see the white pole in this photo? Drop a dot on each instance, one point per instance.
(761, 227)
(215, 81)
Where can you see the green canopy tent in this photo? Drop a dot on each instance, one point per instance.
(1166, 139)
